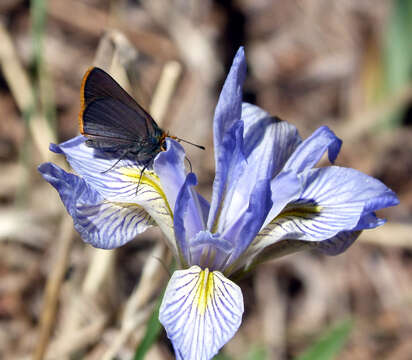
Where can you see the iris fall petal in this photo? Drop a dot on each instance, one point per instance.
(201, 311)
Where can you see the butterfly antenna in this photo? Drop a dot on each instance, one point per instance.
(188, 142)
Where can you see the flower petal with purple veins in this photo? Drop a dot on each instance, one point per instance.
(339, 243)
(120, 182)
(100, 223)
(201, 311)
(333, 200)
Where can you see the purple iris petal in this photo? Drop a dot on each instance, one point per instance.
(333, 200)
(244, 230)
(124, 209)
(234, 163)
(67, 145)
(229, 106)
(227, 113)
(343, 195)
(210, 250)
(339, 243)
(267, 144)
(369, 221)
(71, 188)
(99, 169)
(267, 136)
(310, 151)
(285, 188)
(188, 220)
(169, 166)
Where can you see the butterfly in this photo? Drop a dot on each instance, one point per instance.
(112, 121)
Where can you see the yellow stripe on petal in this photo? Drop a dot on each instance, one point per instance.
(201, 310)
(204, 290)
(148, 178)
(151, 196)
(299, 210)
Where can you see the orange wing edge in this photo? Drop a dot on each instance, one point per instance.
(83, 100)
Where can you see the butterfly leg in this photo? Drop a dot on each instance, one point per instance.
(122, 156)
(145, 166)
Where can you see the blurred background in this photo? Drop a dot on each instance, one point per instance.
(346, 64)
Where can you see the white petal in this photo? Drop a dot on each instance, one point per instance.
(201, 311)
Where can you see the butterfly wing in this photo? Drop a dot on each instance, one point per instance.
(109, 112)
(110, 124)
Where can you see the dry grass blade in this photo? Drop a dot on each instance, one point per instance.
(53, 286)
(77, 340)
(22, 91)
(14, 73)
(165, 89)
(272, 307)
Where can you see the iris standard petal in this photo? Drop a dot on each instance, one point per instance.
(117, 181)
(201, 311)
(231, 165)
(229, 106)
(333, 199)
(244, 230)
(310, 151)
(267, 144)
(103, 224)
(267, 136)
(227, 114)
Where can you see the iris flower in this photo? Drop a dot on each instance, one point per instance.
(268, 200)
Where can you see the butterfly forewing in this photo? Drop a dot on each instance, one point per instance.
(111, 119)
(100, 92)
